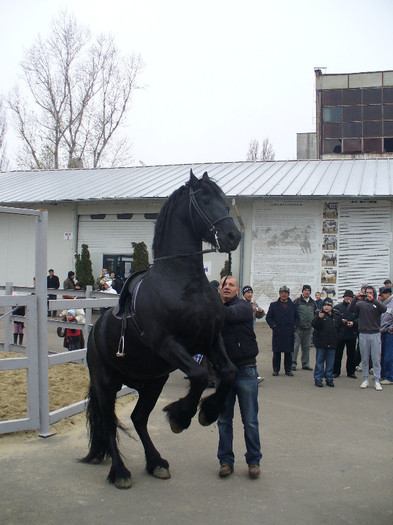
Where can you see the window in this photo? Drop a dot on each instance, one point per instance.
(372, 145)
(372, 96)
(388, 129)
(331, 146)
(352, 97)
(332, 114)
(387, 111)
(332, 131)
(98, 216)
(388, 145)
(388, 95)
(124, 216)
(372, 129)
(352, 113)
(332, 97)
(151, 215)
(352, 146)
(372, 112)
(352, 129)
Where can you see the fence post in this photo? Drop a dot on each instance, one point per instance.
(7, 324)
(42, 309)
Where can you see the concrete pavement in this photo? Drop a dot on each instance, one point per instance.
(327, 458)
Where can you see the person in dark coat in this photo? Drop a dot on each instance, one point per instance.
(347, 336)
(326, 324)
(52, 281)
(283, 318)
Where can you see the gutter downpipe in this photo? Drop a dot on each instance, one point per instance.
(242, 229)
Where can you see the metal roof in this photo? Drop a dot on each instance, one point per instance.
(299, 178)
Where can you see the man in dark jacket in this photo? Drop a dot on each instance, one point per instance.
(306, 307)
(326, 324)
(370, 311)
(348, 335)
(283, 319)
(52, 281)
(242, 349)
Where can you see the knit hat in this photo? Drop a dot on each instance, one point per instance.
(328, 301)
(247, 289)
(385, 289)
(72, 312)
(306, 287)
(284, 289)
(348, 293)
(108, 282)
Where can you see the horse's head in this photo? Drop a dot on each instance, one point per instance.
(209, 214)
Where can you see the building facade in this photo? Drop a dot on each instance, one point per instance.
(354, 114)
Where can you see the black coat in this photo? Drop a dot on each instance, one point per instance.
(238, 332)
(283, 322)
(326, 330)
(344, 332)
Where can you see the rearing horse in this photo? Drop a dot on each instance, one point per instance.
(174, 314)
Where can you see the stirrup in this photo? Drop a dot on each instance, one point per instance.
(120, 348)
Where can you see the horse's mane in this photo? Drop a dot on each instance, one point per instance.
(172, 203)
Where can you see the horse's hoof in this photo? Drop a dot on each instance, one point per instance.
(202, 419)
(176, 428)
(123, 483)
(161, 473)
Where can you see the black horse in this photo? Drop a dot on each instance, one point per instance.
(174, 314)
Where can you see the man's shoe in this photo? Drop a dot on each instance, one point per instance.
(293, 368)
(225, 470)
(289, 373)
(386, 382)
(378, 385)
(319, 383)
(254, 471)
(352, 376)
(306, 368)
(364, 384)
(275, 374)
(330, 383)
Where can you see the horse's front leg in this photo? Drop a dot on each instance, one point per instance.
(213, 405)
(182, 411)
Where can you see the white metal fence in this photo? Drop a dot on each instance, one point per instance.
(37, 360)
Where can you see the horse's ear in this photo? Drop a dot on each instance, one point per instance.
(205, 177)
(194, 182)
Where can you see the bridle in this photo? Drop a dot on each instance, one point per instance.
(210, 224)
(193, 204)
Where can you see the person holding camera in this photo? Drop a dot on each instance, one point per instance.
(369, 310)
(348, 334)
(326, 324)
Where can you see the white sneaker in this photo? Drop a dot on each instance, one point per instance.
(372, 371)
(260, 379)
(364, 384)
(386, 382)
(378, 385)
(358, 369)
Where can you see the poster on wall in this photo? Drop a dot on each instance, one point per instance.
(285, 248)
(330, 230)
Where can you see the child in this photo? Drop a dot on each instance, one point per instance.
(326, 324)
(73, 338)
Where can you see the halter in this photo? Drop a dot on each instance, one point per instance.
(211, 228)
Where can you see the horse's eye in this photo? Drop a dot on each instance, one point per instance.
(206, 198)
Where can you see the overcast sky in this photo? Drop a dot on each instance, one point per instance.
(218, 73)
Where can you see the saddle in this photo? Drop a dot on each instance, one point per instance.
(125, 308)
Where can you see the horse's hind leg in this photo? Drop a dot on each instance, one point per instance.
(103, 429)
(148, 395)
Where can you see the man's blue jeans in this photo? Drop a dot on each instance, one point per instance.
(246, 389)
(324, 355)
(387, 356)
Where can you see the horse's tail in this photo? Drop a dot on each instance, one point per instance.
(98, 442)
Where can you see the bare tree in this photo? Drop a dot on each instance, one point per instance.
(3, 130)
(81, 89)
(265, 153)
